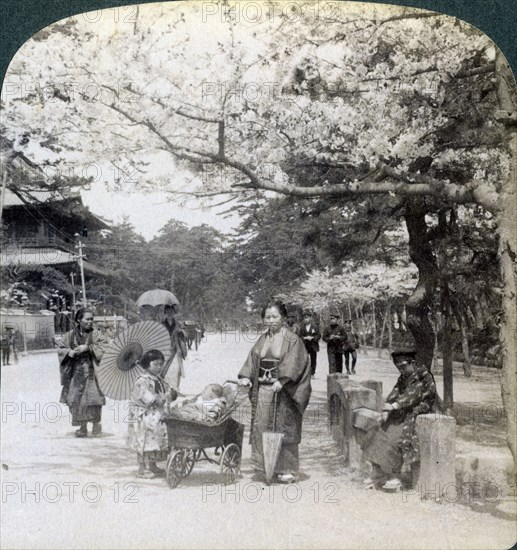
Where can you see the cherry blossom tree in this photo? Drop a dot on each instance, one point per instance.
(369, 100)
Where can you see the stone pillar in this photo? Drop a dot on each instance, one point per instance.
(437, 439)
(333, 381)
(356, 397)
(334, 406)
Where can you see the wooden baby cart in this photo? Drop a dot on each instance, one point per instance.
(189, 440)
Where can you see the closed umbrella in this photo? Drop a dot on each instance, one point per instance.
(271, 445)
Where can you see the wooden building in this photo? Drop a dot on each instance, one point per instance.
(38, 233)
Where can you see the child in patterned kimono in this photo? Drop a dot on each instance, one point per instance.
(147, 433)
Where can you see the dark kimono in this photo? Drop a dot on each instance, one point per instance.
(292, 368)
(396, 442)
(81, 391)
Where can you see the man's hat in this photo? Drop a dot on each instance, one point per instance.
(307, 312)
(404, 352)
(334, 313)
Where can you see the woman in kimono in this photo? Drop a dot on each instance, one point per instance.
(147, 434)
(277, 369)
(79, 351)
(388, 446)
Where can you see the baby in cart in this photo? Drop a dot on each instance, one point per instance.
(208, 406)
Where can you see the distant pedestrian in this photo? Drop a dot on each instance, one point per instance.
(292, 322)
(13, 347)
(350, 346)
(334, 335)
(174, 369)
(310, 334)
(6, 344)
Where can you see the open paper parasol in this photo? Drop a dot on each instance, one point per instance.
(271, 445)
(157, 297)
(118, 370)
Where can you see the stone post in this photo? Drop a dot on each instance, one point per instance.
(356, 397)
(376, 386)
(437, 439)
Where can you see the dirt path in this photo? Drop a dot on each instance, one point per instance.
(63, 492)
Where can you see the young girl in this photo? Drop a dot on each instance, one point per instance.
(147, 434)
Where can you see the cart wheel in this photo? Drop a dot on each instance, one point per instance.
(180, 464)
(231, 463)
(174, 468)
(189, 459)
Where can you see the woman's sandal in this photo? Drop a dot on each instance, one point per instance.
(393, 485)
(147, 475)
(286, 478)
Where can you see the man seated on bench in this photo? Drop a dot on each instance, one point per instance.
(394, 442)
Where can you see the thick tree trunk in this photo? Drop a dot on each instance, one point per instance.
(459, 313)
(419, 303)
(507, 251)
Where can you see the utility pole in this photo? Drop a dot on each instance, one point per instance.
(72, 276)
(80, 245)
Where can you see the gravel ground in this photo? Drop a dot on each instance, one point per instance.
(63, 492)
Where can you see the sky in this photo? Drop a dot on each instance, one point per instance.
(148, 212)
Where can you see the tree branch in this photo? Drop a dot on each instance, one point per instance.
(476, 192)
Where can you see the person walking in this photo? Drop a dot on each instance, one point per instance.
(6, 344)
(310, 334)
(174, 369)
(79, 352)
(292, 322)
(350, 346)
(334, 335)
